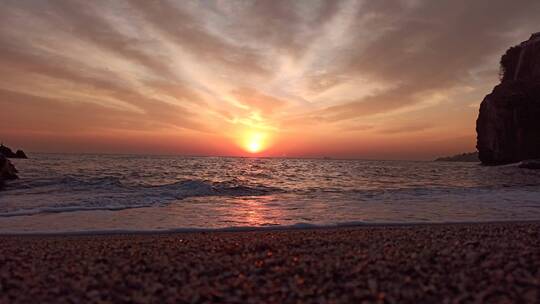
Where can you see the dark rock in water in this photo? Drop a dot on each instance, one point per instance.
(464, 157)
(7, 152)
(530, 164)
(508, 125)
(7, 170)
(20, 154)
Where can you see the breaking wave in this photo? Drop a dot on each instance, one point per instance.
(111, 193)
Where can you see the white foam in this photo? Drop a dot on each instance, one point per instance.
(293, 227)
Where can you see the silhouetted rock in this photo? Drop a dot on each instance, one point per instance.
(20, 154)
(7, 170)
(508, 125)
(530, 164)
(7, 152)
(464, 157)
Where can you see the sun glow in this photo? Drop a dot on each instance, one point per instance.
(254, 142)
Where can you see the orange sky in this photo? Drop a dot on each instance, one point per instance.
(354, 79)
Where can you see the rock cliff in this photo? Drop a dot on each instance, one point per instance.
(508, 125)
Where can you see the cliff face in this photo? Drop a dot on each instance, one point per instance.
(508, 125)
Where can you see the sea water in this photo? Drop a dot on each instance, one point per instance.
(78, 193)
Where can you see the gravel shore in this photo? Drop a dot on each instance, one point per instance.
(450, 263)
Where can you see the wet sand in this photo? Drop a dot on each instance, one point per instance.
(495, 263)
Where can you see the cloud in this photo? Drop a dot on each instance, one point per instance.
(257, 101)
(315, 66)
(282, 26)
(21, 58)
(22, 66)
(86, 21)
(406, 128)
(432, 45)
(64, 116)
(190, 34)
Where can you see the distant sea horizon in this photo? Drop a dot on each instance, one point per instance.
(322, 157)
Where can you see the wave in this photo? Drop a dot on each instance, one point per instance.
(207, 188)
(34, 211)
(419, 190)
(292, 227)
(71, 182)
(111, 194)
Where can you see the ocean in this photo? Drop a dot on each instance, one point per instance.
(115, 193)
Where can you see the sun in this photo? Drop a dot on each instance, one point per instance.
(254, 146)
(254, 142)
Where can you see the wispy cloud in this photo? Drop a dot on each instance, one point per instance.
(312, 67)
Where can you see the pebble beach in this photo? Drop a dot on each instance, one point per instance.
(423, 263)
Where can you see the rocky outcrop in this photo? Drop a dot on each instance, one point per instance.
(7, 170)
(7, 152)
(20, 154)
(530, 164)
(508, 125)
(464, 157)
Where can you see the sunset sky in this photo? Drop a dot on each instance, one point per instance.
(353, 79)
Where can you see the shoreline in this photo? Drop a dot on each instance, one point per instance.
(423, 263)
(268, 228)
